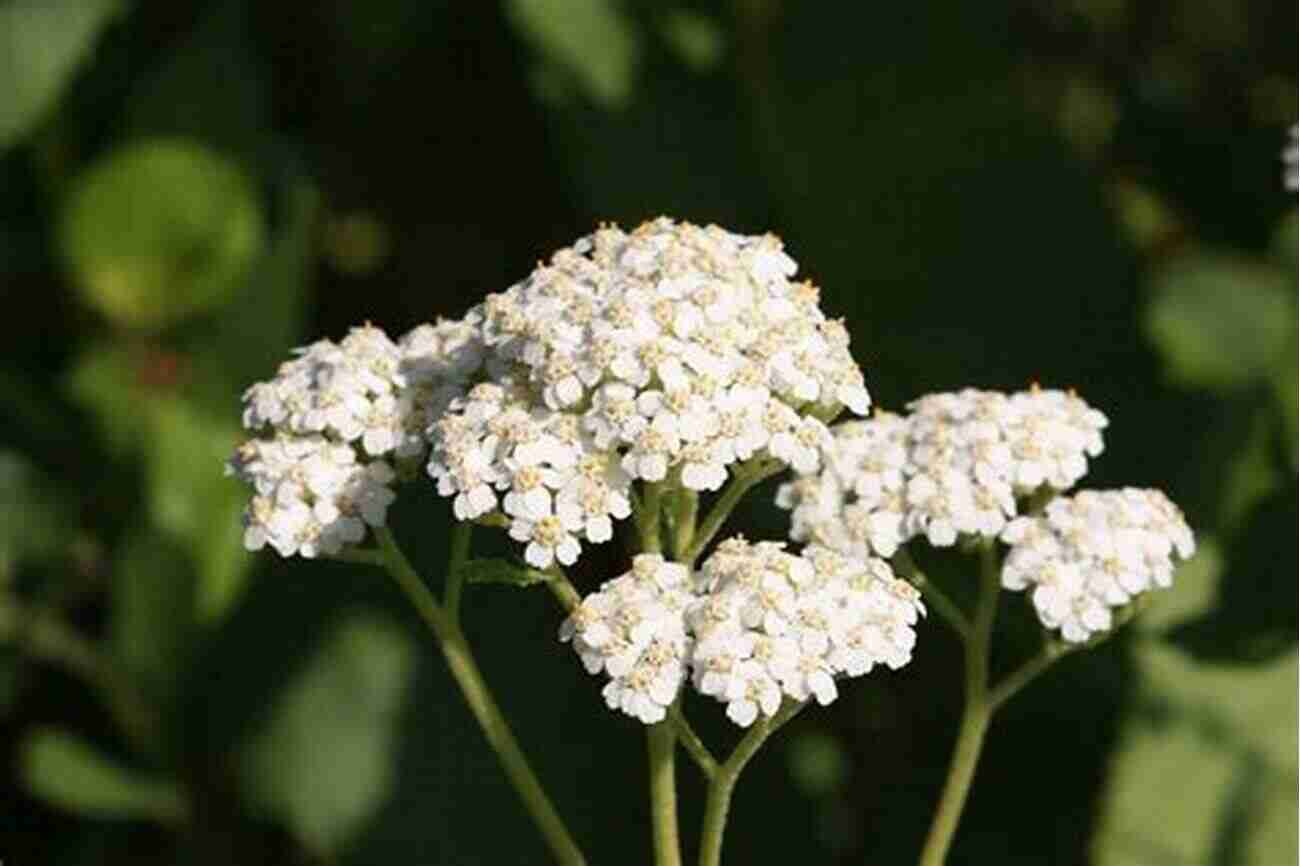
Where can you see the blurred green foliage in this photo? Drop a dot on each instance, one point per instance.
(1083, 194)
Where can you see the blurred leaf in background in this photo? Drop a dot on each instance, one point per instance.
(1222, 320)
(69, 772)
(591, 41)
(160, 230)
(42, 45)
(324, 761)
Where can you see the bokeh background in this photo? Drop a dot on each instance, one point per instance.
(1083, 193)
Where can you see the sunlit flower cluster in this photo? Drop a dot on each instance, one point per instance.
(754, 626)
(332, 426)
(633, 630)
(671, 352)
(1092, 552)
(953, 466)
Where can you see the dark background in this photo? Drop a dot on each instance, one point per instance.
(1085, 194)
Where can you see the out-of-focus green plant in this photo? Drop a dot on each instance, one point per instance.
(42, 45)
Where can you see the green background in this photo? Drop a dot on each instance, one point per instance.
(1084, 194)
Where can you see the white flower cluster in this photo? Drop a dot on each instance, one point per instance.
(672, 349)
(756, 624)
(1094, 551)
(332, 426)
(953, 466)
(633, 630)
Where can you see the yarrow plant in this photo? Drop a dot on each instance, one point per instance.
(642, 384)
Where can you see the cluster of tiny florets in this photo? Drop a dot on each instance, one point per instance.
(754, 626)
(333, 425)
(633, 630)
(672, 351)
(1092, 552)
(953, 466)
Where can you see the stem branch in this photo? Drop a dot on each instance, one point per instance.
(935, 597)
(496, 729)
(724, 782)
(976, 714)
(746, 476)
(692, 743)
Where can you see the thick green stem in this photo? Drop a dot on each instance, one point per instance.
(724, 781)
(496, 729)
(661, 744)
(686, 506)
(649, 518)
(976, 715)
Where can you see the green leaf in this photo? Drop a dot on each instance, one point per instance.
(42, 44)
(236, 350)
(1214, 749)
(68, 772)
(34, 519)
(191, 498)
(697, 40)
(323, 762)
(502, 571)
(1219, 320)
(153, 619)
(104, 381)
(185, 449)
(1193, 592)
(592, 40)
(160, 230)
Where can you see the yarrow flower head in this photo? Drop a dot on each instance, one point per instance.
(769, 624)
(334, 425)
(633, 630)
(1092, 552)
(671, 352)
(953, 466)
(754, 626)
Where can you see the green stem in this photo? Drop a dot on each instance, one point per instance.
(745, 477)
(496, 729)
(976, 715)
(692, 743)
(461, 536)
(563, 590)
(661, 743)
(649, 518)
(1024, 675)
(724, 781)
(686, 507)
(935, 597)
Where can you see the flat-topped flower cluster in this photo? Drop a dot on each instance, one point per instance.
(672, 352)
(1094, 551)
(963, 465)
(952, 466)
(335, 424)
(754, 625)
